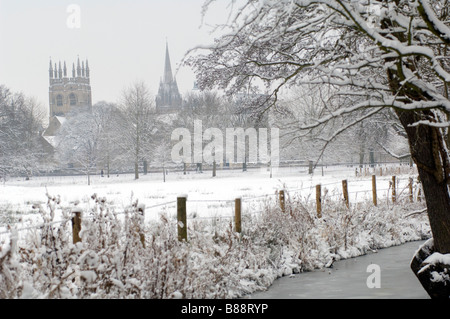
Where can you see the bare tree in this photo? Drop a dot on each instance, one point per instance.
(78, 142)
(108, 116)
(138, 124)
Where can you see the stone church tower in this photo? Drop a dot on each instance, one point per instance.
(168, 99)
(66, 93)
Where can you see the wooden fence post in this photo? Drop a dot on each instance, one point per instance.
(282, 201)
(345, 192)
(419, 191)
(76, 226)
(374, 189)
(141, 212)
(181, 218)
(411, 181)
(237, 214)
(319, 200)
(394, 193)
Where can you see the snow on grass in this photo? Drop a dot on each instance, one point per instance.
(121, 256)
(207, 196)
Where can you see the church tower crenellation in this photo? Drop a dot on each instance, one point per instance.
(68, 93)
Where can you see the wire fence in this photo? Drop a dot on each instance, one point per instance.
(323, 192)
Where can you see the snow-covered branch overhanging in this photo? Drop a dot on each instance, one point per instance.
(433, 124)
(335, 43)
(434, 24)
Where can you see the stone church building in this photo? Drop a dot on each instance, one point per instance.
(70, 91)
(67, 92)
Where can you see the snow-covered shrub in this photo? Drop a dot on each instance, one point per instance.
(120, 256)
(9, 268)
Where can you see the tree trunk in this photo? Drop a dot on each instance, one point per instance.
(136, 169)
(431, 157)
(361, 156)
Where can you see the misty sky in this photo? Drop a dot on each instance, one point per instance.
(124, 41)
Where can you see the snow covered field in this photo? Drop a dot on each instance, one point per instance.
(207, 196)
(215, 262)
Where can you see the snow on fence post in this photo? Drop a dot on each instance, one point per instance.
(394, 193)
(345, 192)
(76, 225)
(237, 214)
(319, 200)
(282, 201)
(181, 218)
(374, 189)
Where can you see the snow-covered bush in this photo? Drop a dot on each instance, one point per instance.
(9, 268)
(120, 256)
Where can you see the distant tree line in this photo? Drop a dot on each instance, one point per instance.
(20, 125)
(131, 135)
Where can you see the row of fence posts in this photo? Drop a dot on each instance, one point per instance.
(392, 184)
(182, 216)
(386, 171)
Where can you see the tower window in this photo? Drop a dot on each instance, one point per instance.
(72, 99)
(59, 100)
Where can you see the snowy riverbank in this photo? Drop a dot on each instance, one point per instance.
(215, 262)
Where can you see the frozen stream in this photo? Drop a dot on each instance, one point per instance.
(348, 279)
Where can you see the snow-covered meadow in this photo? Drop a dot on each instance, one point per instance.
(207, 196)
(216, 262)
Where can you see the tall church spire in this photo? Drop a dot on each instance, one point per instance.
(168, 77)
(168, 98)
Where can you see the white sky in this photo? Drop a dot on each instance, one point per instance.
(124, 41)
